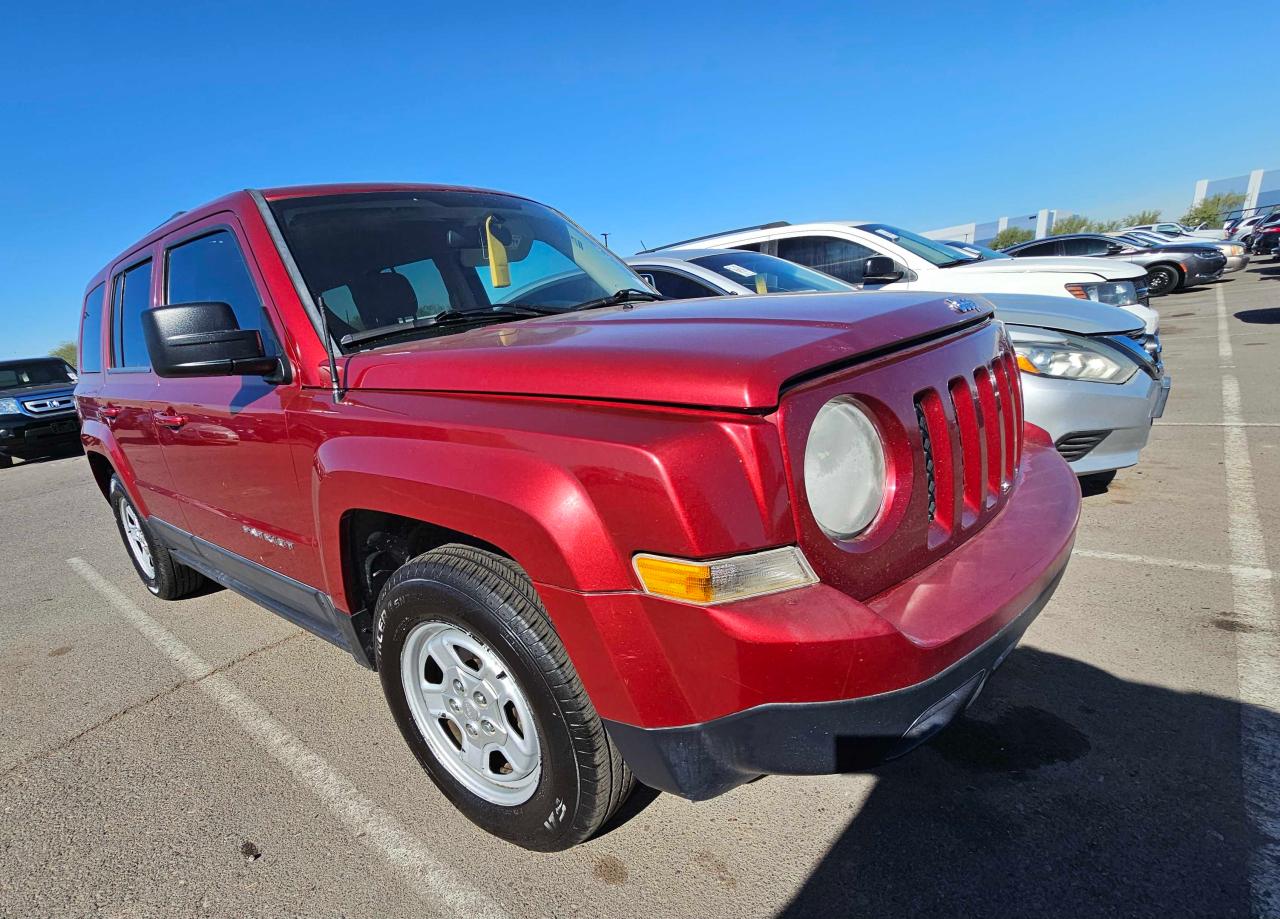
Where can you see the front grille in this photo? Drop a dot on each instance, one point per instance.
(1150, 342)
(1078, 445)
(981, 437)
(50, 405)
(1140, 289)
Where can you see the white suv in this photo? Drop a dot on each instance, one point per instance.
(876, 255)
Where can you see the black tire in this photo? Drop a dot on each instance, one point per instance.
(169, 579)
(1096, 482)
(5, 460)
(1163, 279)
(582, 780)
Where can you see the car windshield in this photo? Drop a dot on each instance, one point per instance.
(977, 250)
(767, 274)
(428, 263)
(17, 374)
(937, 253)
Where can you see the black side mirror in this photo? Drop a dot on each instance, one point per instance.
(1115, 248)
(880, 269)
(203, 340)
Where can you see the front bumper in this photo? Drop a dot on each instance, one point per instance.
(1121, 413)
(700, 761)
(1236, 263)
(813, 680)
(27, 437)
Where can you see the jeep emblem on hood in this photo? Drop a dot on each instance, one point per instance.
(961, 305)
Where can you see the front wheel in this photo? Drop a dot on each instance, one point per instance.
(488, 701)
(1162, 279)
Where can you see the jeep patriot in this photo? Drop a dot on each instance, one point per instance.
(584, 536)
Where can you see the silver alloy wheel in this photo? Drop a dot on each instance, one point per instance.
(136, 539)
(472, 713)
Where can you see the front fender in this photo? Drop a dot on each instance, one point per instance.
(569, 491)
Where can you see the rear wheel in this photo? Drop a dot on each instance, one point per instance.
(1162, 279)
(163, 576)
(488, 701)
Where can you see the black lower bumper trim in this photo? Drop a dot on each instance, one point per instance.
(700, 761)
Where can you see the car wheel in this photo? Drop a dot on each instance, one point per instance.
(489, 702)
(163, 576)
(5, 461)
(1162, 279)
(1096, 482)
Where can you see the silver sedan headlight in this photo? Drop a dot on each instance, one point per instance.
(844, 469)
(1045, 352)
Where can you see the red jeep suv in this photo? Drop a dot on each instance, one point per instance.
(584, 537)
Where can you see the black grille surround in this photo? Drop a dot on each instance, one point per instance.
(1078, 444)
(927, 447)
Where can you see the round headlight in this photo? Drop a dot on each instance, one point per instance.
(844, 469)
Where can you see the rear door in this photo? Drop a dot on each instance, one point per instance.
(126, 399)
(226, 439)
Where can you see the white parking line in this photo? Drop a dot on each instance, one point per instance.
(437, 883)
(1243, 571)
(1219, 424)
(1257, 657)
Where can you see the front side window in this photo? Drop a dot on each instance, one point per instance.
(91, 332)
(839, 258)
(427, 263)
(131, 296)
(210, 268)
(768, 275)
(676, 286)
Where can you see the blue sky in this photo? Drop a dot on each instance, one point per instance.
(663, 122)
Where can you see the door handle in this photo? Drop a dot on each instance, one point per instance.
(168, 420)
(110, 413)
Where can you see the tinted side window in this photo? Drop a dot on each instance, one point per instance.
(838, 257)
(1084, 247)
(211, 268)
(678, 287)
(132, 295)
(91, 332)
(1047, 248)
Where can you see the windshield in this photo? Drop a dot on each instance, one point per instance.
(937, 253)
(977, 250)
(767, 274)
(395, 260)
(17, 374)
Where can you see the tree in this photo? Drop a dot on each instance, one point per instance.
(1076, 223)
(1212, 210)
(66, 351)
(1011, 236)
(1141, 218)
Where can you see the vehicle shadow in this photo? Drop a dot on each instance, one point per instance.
(1267, 316)
(1066, 792)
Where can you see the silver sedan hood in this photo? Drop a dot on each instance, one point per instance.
(1065, 314)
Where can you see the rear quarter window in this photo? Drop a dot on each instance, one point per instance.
(90, 359)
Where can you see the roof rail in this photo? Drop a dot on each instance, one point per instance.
(694, 239)
(167, 219)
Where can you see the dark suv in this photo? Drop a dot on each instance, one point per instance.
(37, 410)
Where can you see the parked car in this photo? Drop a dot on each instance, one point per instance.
(582, 537)
(1264, 238)
(1237, 255)
(37, 411)
(1177, 229)
(1241, 228)
(1091, 377)
(875, 256)
(1169, 268)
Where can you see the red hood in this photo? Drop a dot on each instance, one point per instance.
(727, 352)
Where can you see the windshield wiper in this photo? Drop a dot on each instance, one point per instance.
(625, 295)
(501, 313)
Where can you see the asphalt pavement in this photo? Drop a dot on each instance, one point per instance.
(206, 758)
